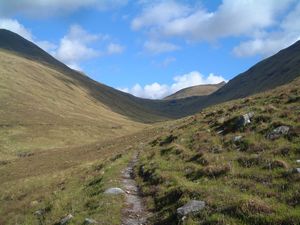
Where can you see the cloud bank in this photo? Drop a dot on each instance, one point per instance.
(269, 25)
(158, 91)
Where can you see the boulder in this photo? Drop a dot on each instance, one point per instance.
(234, 124)
(298, 161)
(298, 170)
(278, 132)
(114, 191)
(191, 207)
(66, 219)
(245, 119)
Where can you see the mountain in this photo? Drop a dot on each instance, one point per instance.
(198, 90)
(270, 73)
(44, 104)
(136, 109)
(50, 105)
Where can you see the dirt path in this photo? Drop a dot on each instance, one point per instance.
(135, 212)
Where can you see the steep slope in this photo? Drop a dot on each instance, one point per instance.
(117, 101)
(270, 73)
(245, 171)
(198, 90)
(136, 109)
(42, 108)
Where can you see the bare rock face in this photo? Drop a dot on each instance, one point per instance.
(114, 191)
(191, 207)
(278, 132)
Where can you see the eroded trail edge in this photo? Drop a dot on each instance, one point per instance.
(135, 212)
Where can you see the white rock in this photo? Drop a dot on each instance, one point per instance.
(237, 138)
(190, 207)
(90, 221)
(66, 219)
(114, 191)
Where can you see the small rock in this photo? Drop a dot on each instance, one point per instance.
(25, 154)
(114, 191)
(245, 119)
(191, 207)
(221, 120)
(34, 203)
(237, 139)
(90, 221)
(39, 212)
(298, 161)
(66, 219)
(298, 170)
(220, 132)
(278, 132)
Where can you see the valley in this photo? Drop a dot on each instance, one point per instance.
(66, 139)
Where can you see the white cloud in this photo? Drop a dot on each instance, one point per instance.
(74, 47)
(159, 14)
(269, 43)
(196, 23)
(45, 8)
(14, 26)
(114, 48)
(256, 20)
(157, 47)
(158, 91)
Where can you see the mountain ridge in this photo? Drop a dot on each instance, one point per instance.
(197, 90)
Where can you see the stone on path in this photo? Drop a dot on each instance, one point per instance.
(114, 191)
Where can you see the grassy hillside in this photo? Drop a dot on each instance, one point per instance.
(64, 181)
(41, 108)
(199, 90)
(269, 73)
(244, 174)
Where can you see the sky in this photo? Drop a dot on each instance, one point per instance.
(153, 48)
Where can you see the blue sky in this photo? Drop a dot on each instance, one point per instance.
(154, 48)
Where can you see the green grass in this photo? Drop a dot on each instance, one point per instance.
(77, 190)
(249, 182)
